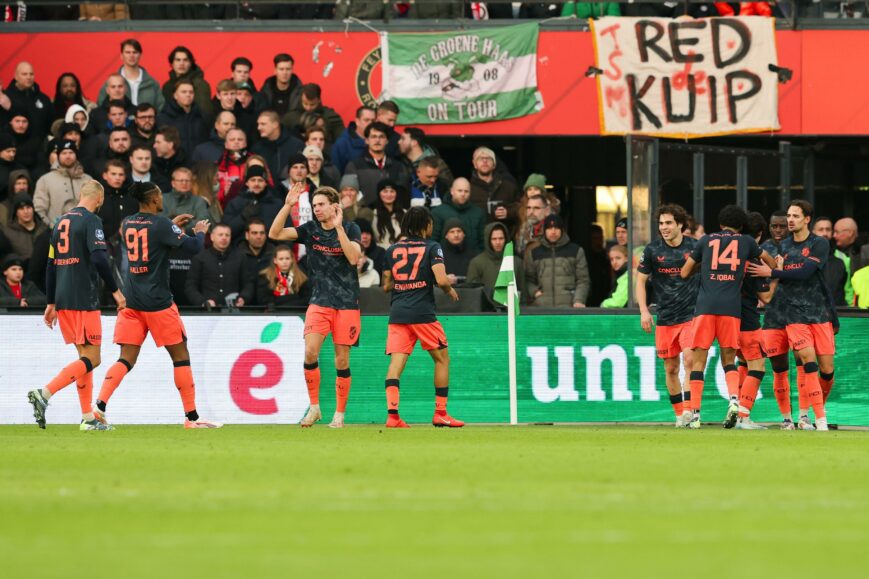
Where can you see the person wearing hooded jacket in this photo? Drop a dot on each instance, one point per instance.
(618, 298)
(484, 267)
(184, 67)
(556, 273)
(458, 253)
(28, 145)
(59, 190)
(257, 200)
(8, 164)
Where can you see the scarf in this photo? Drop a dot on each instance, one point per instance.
(283, 283)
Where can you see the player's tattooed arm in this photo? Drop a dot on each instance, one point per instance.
(689, 268)
(440, 272)
(388, 282)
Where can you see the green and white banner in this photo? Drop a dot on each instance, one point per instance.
(462, 77)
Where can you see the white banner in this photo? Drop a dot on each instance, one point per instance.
(239, 379)
(686, 78)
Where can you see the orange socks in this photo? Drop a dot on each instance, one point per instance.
(743, 374)
(826, 384)
(392, 396)
(781, 387)
(814, 394)
(696, 383)
(71, 373)
(342, 389)
(676, 401)
(312, 381)
(85, 392)
(441, 399)
(184, 383)
(748, 392)
(112, 380)
(731, 376)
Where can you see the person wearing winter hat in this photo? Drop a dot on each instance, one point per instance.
(23, 228)
(15, 291)
(314, 155)
(7, 162)
(369, 246)
(556, 272)
(622, 231)
(350, 198)
(491, 192)
(28, 144)
(58, 191)
(458, 250)
(257, 200)
(484, 268)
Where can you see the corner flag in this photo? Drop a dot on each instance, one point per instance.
(505, 276)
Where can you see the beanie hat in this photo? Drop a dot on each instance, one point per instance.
(453, 222)
(7, 141)
(384, 183)
(17, 111)
(364, 226)
(64, 145)
(312, 151)
(297, 159)
(68, 128)
(255, 171)
(10, 261)
(535, 180)
(553, 221)
(484, 152)
(21, 200)
(623, 223)
(349, 181)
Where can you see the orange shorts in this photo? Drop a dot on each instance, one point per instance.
(165, 326)
(708, 328)
(401, 338)
(819, 336)
(775, 342)
(80, 327)
(670, 341)
(344, 325)
(751, 345)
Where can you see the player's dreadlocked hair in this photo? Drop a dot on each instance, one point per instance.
(415, 222)
(756, 224)
(732, 216)
(143, 191)
(330, 194)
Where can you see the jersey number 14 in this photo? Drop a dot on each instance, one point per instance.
(726, 257)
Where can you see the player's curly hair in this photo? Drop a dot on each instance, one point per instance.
(330, 194)
(732, 216)
(143, 191)
(755, 224)
(680, 216)
(416, 221)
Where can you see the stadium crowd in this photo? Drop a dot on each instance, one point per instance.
(232, 154)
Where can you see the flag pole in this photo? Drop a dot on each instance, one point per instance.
(511, 348)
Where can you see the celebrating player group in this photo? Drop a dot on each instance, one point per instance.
(709, 290)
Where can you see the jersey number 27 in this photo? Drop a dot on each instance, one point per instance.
(402, 255)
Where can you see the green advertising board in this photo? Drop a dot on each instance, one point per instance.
(571, 368)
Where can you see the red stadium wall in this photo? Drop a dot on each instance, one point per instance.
(828, 93)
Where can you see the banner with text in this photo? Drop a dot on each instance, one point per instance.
(462, 77)
(686, 78)
(248, 370)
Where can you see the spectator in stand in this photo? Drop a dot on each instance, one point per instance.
(100, 11)
(693, 229)
(19, 183)
(117, 205)
(388, 211)
(387, 113)
(848, 244)
(7, 163)
(556, 273)
(599, 267)
(484, 268)
(167, 146)
(835, 272)
(180, 200)
(141, 170)
(457, 253)
(257, 248)
(67, 92)
(352, 143)
(491, 192)
(245, 115)
(316, 137)
(310, 101)
(414, 148)
(237, 187)
(15, 291)
(424, 187)
(374, 166)
(143, 130)
(23, 228)
(276, 144)
(205, 187)
(118, 147)
(258, 200)
(185, 115)
(366, 10)
(315, 166)
(184, 67)
(212, 149)
(618, 297)
(368, 276)
(282, 283)
(586, 10)
(25, 96)
(226, 100)
(114, 91)
(78, 115)
(622, 232)
(350, 197)
(369, 247)
(141, 87)
(458, 205)
(28, 145)
(58, 191)
(281, 92)
(218, 273)
(117, 117)
(230, 166)
(529, 229)
(241, 68)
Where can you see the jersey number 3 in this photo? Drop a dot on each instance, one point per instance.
(137, 244)
(402, 255)
(726, 257)
(63, 236)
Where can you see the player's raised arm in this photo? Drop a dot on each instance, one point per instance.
(642, 301)
(277, 230)
(440, 272)
(351, 248)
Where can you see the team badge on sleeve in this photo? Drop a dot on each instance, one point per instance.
(440, 253)
(100, 235)
(176, 230)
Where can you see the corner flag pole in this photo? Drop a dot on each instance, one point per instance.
(512, 298)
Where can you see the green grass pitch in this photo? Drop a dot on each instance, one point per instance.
(279, 501)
